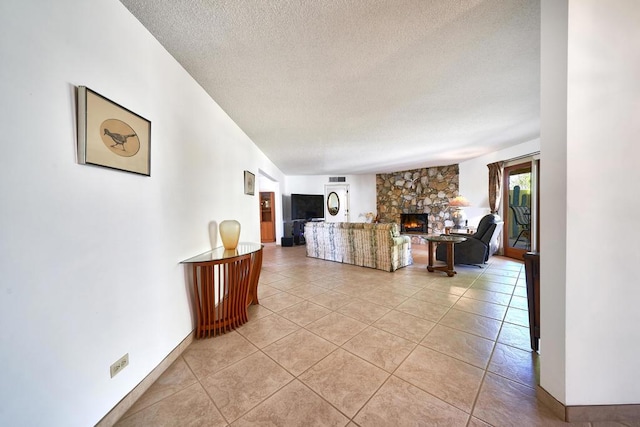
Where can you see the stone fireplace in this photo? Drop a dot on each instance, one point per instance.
(418, 191)
(414, 223)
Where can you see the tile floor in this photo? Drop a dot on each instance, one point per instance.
(335, 345)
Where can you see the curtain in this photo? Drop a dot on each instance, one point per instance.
(495, 185)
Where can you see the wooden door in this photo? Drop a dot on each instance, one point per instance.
(267, 218)
(517, 202)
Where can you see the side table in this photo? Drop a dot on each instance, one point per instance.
(224, 284)
(450, 241)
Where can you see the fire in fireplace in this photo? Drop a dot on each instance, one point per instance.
(414, 223)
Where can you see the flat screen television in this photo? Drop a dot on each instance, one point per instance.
(307, 206)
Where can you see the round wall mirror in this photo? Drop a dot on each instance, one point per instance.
(333, 203)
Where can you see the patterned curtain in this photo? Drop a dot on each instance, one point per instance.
(495, 185)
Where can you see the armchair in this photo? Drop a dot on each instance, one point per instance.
(478, 246)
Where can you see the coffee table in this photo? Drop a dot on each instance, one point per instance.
(450, 241)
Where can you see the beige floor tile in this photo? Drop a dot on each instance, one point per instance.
(406, 287)
(447, 287)
(498, 278)
(209, 355)
(493, 286)
(515, 336)
(461, 345)
(304, 312)
(295, 405)
(405, 325)
(503, 402)
(280, 301)
(355, 288)
(363, 311)
(517, 317)
(286, 283)
(436, 297)
(263, 332)
(472, 323)
(481, 308)
(346, 381)
(519, 302)
(190, 406)
(267, 277)
(265, 291)
(488, 296)
(515, 364)
(256, 311)
(299, 351)
(259, 387)
(238, 388)
(177, 377)
(332, 300)
(384, 297)
(307, 291)
(336, 327)
(381, 348)
(399, 403)
(449, 379)
(506, 272)
(474, 422)
(423, 309)
(520, 292)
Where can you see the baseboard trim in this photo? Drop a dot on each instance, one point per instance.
(551, 402)
(127, 402)
(588, 413)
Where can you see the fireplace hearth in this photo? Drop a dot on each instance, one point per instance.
(414, 223)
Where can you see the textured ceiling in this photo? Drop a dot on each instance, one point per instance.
(362, 86)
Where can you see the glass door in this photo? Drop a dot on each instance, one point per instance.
(518, 201)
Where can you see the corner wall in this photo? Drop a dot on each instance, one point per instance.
(90, 265)
(603, 124)
(589, 292)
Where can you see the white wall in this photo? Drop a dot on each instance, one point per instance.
(362, 191)
(474, 177)
(603, 124)
(590, 339)
(553, 196)
(90, 256)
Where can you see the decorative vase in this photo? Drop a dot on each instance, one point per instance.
(459, 217)
(230, 233)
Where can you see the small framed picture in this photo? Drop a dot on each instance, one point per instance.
(249, 183)
(111, 136)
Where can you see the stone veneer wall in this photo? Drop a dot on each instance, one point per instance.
(426, 190)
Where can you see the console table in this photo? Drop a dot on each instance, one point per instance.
(449, 240)
(224, 284)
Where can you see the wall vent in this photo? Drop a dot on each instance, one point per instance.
(337, 179)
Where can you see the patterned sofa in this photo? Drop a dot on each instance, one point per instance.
(368, 245)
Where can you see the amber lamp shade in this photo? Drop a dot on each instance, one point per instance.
(230, 233)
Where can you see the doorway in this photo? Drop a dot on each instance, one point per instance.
(336, 207)
(519, 201)
(267, 217)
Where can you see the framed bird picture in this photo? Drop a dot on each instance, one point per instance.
(112, 136)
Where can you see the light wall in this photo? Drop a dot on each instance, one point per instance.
(603, 107)
(474, 177)
(90, 265)
(362, 191)
(589, 286)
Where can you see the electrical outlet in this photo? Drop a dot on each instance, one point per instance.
(119, 365)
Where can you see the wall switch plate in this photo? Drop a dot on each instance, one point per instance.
(119, 365)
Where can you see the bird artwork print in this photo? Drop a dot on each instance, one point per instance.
(118, 139)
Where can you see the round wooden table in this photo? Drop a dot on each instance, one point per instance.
(434, 240)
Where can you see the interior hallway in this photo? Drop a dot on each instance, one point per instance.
(334, 345)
